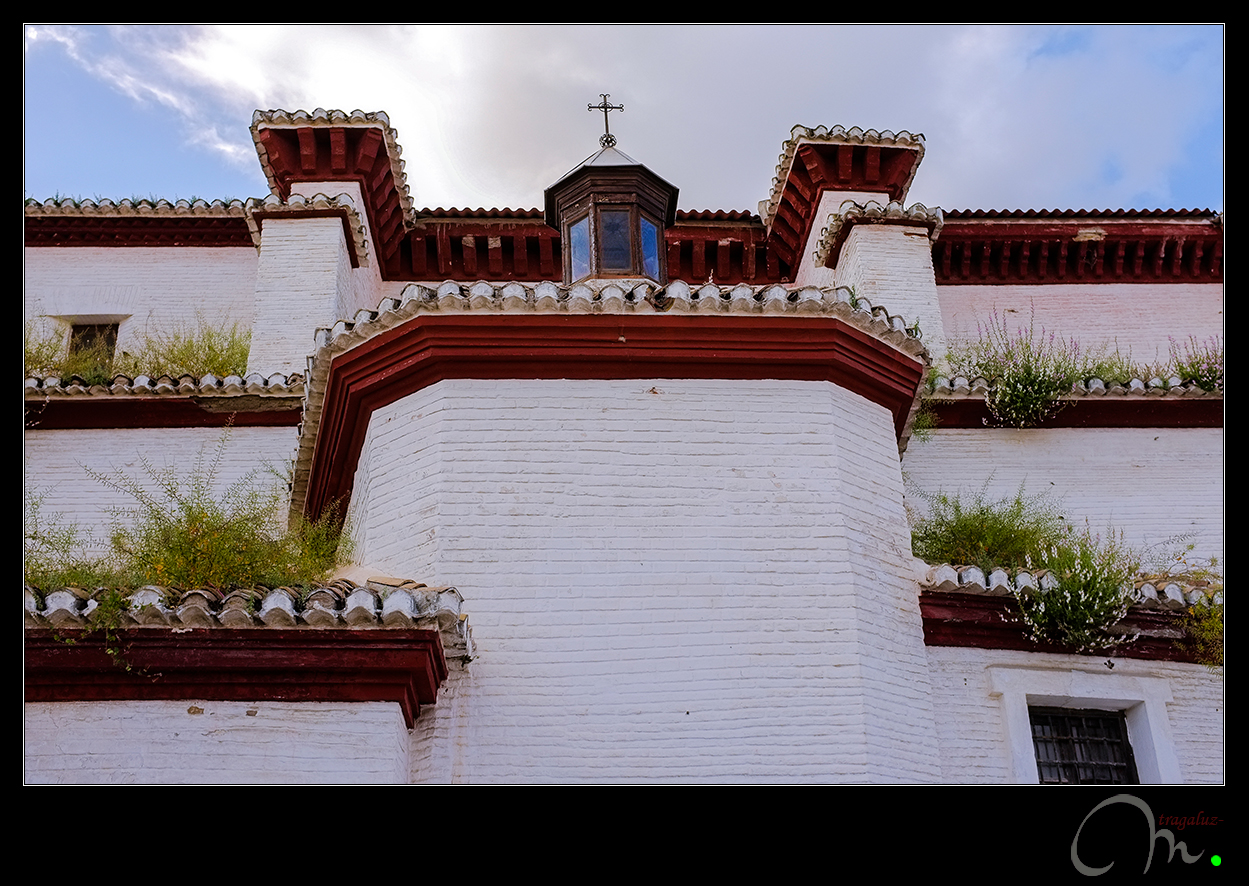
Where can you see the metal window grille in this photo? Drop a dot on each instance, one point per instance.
(1082, 747)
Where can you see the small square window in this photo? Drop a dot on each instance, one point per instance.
(1082, 746)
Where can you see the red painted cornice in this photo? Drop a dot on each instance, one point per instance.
(725, 248)
(402, 666)
(429, 348)
(156, 230)
(977, 248)
(983, 622)
(162, 412)
(1095, 412)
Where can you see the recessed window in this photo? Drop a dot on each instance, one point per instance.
(91, 348)
(93, 337)
(1082, 747)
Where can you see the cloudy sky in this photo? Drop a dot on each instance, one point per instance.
(1035, 117)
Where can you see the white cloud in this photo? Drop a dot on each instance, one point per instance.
(490, 116)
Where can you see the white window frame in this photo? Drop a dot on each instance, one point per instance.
(1142, 699)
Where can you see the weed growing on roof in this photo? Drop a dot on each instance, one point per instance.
(183, 533)
(43, 351)
(1030, 370)
(1174, 560)
(987, 532)
(52, 553)
(197, 350)
(1094, 591)
(1199, 362)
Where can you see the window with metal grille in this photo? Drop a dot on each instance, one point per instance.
(1082, 747)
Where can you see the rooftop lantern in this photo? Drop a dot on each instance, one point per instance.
(611, 212)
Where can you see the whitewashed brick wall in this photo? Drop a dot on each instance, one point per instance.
(1137, 317)
(670, 580)
(153, 288)
(303, 279)
(1152, 483)
(215, 742)
(972, 727)
(891, 265)
(363, 288)
(56, 464)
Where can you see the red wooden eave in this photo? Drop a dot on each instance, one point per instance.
(981, 621)
(263, 664)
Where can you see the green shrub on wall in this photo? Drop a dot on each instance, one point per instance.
(198, 350)
(986, 532)
(1091, 579)
(1031, 372)
(182, 533)
(1093, 592)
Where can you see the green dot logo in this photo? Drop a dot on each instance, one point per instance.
(1216, 860)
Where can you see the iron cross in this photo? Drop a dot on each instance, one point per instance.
(607, 139)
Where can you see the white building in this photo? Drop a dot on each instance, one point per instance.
(655, 458)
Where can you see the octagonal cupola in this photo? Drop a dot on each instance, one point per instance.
(611, 212)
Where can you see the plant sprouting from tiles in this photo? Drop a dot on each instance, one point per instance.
(1175, 560)
(187, 532)
(198, 350)
(1030, 369)
(987, 532)
(204, 348)
(53, 552)
(1094, 590)
(1199, 362)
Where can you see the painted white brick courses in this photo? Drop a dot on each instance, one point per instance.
(891, 265)
(303, 281)
(669, 579)
(1135, 317)
(56, 464)
(1152, 483)
(364, 287)
(154, 288)
(215, 742)
(971, 722)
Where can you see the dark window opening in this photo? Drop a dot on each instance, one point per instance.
(1082, 747)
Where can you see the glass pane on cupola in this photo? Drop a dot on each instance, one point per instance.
(579, 248)
(617, 254)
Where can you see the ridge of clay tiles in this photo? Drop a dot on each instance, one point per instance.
(121, 385)
(1175, 593)
(1200, 214)
(67, 206)
(298, 204)
(341, 604)
(960, 387)
(851, 213)
(320, 117)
